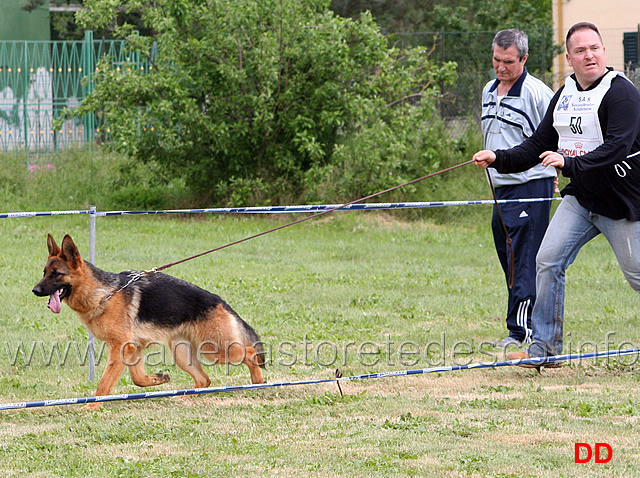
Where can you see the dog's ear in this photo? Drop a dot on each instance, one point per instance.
(70, 252)
(54, 250)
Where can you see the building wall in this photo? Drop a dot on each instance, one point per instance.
(612, 17)
(17, 24)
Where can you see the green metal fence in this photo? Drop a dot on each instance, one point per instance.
(38, 79)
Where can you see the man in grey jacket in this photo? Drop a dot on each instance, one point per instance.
(512, 107)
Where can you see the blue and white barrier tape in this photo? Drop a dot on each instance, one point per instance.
(323, 207)
(10, 215)
(278, 209)
(234, 388)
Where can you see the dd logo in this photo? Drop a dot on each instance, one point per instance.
(589, 452)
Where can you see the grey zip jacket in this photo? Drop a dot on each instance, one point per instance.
(508, 122)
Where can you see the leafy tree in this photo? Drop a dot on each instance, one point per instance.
(471, 26)
(393, 16)
(63, 23)
(255, 101)
(532, 16)
(462, 31)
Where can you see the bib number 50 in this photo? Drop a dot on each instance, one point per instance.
(576, 124)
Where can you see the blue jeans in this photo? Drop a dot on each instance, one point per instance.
(571, 227)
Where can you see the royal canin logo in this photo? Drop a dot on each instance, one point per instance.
(579, 145)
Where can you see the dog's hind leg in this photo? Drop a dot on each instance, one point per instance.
(184, 357)
(237, 353)
(251, 361)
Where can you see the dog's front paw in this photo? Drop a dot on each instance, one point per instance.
(92, 406)
(162, 377)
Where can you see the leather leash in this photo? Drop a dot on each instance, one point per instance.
(137, 275)
(171, 264)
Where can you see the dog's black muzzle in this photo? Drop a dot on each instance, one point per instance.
(39, 291)
(42, 290)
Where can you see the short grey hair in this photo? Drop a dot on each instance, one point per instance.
(506, 38)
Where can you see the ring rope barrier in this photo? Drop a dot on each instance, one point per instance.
(12, 215)
(535, 361)
(275, 209)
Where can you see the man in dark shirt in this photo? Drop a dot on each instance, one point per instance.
(591, 133)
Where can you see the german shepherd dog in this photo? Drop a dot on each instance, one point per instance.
(131, 315)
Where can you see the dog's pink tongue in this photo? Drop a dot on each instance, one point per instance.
(54, 302)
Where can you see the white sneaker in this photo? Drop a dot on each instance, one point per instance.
(507, 342)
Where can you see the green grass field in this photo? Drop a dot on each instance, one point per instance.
(364, 292)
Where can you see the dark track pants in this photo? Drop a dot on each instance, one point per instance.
(526, 223)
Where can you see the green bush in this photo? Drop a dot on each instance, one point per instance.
(258, 102)
(79, 178)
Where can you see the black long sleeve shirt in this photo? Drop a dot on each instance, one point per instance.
(605, 181)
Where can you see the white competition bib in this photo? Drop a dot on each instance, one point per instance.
(576, 117)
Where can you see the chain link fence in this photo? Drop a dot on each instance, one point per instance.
(39, 79)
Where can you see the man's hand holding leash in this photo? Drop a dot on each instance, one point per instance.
(486, 157)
